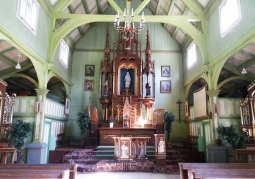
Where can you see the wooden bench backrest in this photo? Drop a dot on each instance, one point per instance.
(249, 146)
(248, 155)
(35, 174)
(221, 173)
(3, 145)
(71, 167)
(4, 152)
(184, 167)
(192, 138)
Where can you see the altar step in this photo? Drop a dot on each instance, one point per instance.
(107, 153)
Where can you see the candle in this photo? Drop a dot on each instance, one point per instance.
(118, 114)
(106, 113)
(112, 111)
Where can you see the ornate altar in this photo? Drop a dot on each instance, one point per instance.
(127, 148)
(6, 110)
(124, 80)
(247, 108)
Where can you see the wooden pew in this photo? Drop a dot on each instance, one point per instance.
(245, 153)
(34, 174)
(4, 152)
(220, 173)
(72, 168)
(191, 142)
(184, 167)
(3, 145)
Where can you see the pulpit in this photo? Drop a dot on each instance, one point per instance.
(127, 148)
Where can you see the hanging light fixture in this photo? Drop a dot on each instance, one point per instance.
(18, 67)
(129, 26)
(244, 70)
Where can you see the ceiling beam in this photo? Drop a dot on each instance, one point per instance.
(62, 5)
(158, 7)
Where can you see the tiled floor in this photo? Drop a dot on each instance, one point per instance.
(126, 175)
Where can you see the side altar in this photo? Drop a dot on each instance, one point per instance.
(127, 90)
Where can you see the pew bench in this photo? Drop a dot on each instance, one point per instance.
(221, 173)
(71, 168)
(4, 153)
(34, 174)
(245, 153)
(184, 167)
(191, 142)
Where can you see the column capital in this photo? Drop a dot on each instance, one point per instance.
(213, 92)
(42, 91)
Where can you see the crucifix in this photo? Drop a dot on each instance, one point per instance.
(179, 103)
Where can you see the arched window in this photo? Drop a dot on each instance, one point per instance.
(27, 13)
(230, 15)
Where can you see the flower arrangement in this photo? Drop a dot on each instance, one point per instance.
(111, 119)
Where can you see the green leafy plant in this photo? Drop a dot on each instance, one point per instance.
(169, 118)
(229, 134)
(83, 121)
(111, 119)
(19, 132)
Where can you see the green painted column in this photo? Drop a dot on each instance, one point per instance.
(214, 121)
(39, 120)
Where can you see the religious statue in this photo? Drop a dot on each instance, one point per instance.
(124, 150)
(127, 80)
(94, 116)
(148, 89)
(141, 149)
(161, 146)
(106, 88)
(128, 41)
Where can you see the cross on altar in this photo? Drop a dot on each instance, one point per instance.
(179, 103)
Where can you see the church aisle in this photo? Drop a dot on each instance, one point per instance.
(126, 175)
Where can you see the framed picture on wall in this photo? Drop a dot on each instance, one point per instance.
(67, 106)
(89, 70)
(165, 71)
(165, 86)
(89, 85)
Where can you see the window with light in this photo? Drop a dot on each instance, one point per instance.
(63, 53)
(230, 15)
(27, 13)
(192, 54)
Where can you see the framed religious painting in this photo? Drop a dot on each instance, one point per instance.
(89, 85)
(165, 71)
(124, 149)
(89, 70)
(67, 106)
(186, 109)
(165, 86)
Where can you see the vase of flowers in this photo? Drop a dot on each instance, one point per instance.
(111, 120)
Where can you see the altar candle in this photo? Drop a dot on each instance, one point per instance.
(118, 114)
(106, 113)
(112, 111)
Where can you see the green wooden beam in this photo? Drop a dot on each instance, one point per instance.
(62, 5)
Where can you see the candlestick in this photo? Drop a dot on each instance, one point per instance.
(112, 111)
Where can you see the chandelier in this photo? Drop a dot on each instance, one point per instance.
(128, 27)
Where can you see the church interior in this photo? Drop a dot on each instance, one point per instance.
(128, 84)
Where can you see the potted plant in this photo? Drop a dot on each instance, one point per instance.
(111, 120)
(83, 121)
(169, 118)
(234, 139)
(19, 132)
